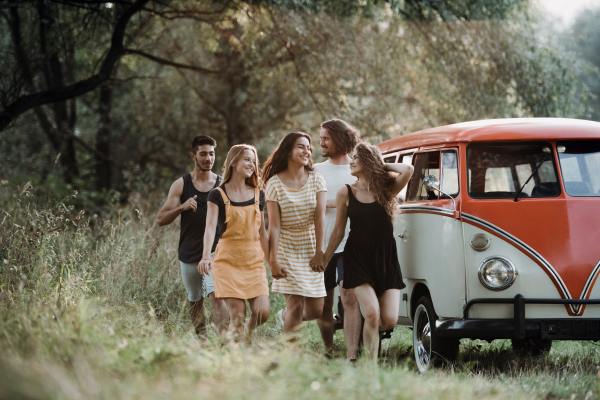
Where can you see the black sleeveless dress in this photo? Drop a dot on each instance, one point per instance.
(370, 254)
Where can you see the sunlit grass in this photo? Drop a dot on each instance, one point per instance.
(94, 308)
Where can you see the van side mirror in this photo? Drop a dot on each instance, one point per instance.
(431, 182)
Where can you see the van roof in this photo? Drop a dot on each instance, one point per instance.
(494, 130)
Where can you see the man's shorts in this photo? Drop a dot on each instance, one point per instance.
(335, 264)
(198, 286)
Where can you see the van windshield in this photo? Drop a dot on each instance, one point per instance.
(580, 167)
(497, 171)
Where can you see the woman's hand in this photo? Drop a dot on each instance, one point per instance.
(278, 271)
(204, 266)
(317, 263)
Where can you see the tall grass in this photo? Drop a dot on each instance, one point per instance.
(93, 307)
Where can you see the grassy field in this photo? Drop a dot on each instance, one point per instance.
(94, 307)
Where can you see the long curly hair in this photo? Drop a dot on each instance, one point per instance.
(278, 160)
(379, 180)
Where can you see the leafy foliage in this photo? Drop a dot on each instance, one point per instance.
(585, 35)
(250, 71)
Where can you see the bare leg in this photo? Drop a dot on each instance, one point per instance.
(298, 309)
(220, 315)
(352, 321)
(389, 302)
(260, 308)
(325, 322)
(198, 317)
(313, 308)
(369, 305)
(292, 316)
(237, 315)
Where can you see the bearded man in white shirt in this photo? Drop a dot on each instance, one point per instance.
(338, 139)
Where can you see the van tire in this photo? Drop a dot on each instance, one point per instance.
(429, 348)
(533, 347)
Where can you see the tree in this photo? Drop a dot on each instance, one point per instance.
(247, 71)
(43, 72)
(585, 35)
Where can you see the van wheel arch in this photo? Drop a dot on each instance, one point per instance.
(419, 291)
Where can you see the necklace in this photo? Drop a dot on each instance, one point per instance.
(364, 188)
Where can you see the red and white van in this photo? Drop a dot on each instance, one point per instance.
(508, 245)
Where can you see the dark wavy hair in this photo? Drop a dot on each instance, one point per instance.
(344, 135)
(278, 160)
(379, 180)
(201, 141)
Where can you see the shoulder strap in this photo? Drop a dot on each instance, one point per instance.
(256, 195)
(224, 196)
(186, 185)
(351, 193)
(218, 181)
(227, 204)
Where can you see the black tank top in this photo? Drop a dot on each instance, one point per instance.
(193, 223)
(368, 220)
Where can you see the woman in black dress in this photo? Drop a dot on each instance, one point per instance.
(370, 260)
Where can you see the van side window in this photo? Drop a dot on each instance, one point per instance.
(498, 170)
(449, 181)
(580, 164)
(424, 164)
(405, 159)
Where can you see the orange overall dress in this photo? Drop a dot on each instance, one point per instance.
(237, 268)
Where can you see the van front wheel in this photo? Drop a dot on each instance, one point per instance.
(428, 347)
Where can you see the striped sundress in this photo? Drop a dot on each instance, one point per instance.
(297, 242)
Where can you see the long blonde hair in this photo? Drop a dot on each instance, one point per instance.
(379, 180)
(235, 153)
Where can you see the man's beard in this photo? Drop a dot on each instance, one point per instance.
(330, 153)
(203, 168)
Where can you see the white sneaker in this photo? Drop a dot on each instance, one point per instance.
(280, 318)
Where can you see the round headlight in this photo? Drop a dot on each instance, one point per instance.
(497, 273)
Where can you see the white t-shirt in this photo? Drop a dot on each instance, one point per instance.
(335, 176)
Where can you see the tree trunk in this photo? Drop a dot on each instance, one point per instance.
(103, 170)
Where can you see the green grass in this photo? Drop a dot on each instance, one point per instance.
(94, 308)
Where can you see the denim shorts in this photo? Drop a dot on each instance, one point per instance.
(197, 286)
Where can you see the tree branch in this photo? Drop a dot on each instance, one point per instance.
(163, 61)
(27, 102)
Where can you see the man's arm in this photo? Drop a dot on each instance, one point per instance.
(341, 220)
(173, 207)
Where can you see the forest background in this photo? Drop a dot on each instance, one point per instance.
(99, 102)
(118, 89)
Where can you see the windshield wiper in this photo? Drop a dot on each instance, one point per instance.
(530, 176)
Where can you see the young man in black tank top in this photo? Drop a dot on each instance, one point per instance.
(187, 197)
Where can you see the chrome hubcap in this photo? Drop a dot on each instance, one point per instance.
(422, 338)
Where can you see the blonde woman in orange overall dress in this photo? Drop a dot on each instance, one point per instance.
(237, 267)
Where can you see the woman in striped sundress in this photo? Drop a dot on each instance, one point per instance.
(296, 197)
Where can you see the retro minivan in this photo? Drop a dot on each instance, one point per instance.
(498, 234)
